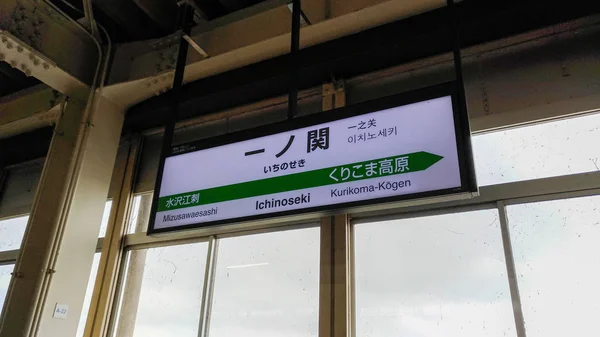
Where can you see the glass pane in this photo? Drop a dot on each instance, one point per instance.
(140, 213)
(105, 216)
(5, 276)
(432, 276)
(538, 151)
(267, 285)
(163, 292)
(557, 257)
(87, 300)
(11, 233)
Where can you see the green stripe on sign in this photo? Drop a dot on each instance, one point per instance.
(376, 168)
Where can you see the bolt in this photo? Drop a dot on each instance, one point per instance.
(17, 274)
(9, 45)
(46, 66)
(19, 49)
(4, 39)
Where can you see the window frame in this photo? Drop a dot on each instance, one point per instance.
(490, 197)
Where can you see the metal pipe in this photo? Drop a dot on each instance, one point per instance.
(98, 48)
(89, 17)
(42, 283)
(295, 46)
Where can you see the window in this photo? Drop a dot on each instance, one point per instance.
(538, 151)
(105, 216)
(557, 259)
(267, 285)
(163, 292)
(5, 275)
(432, 276)
(87, 300)
(12, 232)
(140, 213)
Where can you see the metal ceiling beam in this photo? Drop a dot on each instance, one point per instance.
(40, 42)
(142, 69)
(210, 9)
(15, 75)
(164, 13)
(28, 110)
(12, 80)
(13, 152)
(378, 48)
(134, 19)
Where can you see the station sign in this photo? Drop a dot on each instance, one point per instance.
(377, 152)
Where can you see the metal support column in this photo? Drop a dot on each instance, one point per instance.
(336, 276)
(112, 252)
(60, 241)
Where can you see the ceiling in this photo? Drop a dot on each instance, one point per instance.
(13, 80)
(132, 20)
(126, 21)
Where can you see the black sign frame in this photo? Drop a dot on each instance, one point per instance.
(463, 142)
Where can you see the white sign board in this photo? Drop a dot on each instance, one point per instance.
(376, 156)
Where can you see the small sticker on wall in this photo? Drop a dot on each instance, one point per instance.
(60, 311)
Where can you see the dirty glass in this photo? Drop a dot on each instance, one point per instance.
(163, 292)
(267, 285)
(105, 216)
(11, 232)
(88, 295)
(140, 213)
(5, 271)
(432, 276)
(557, 258)
(542, 150)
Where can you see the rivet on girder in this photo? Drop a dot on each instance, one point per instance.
(19, 49)
(9, 45)
(46, 66)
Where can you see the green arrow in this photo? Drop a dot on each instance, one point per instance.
(412, 162)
